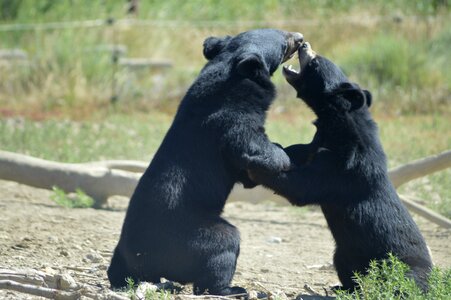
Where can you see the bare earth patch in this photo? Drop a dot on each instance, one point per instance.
(284, 249)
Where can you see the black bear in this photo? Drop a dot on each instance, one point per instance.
(344, 170)
(173, 227)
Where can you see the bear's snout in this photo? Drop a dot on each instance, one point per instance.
(294, 41)
(298, 37)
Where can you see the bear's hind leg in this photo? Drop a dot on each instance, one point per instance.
(219, 258)
(118, 272)
(345, 271)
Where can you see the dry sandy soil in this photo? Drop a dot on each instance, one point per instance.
(284, 249)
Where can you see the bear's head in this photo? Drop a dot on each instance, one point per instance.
(254, 52)
(322, 84)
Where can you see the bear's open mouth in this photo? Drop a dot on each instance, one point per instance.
(306, 54)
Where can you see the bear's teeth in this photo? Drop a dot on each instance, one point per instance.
(290, 67)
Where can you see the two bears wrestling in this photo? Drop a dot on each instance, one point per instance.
(173, 226)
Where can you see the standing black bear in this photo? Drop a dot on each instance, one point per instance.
(344, 170)
(173, 227)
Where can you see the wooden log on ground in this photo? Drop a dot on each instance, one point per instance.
(34, 282)
(101, 180)
(425, 212)
(34, 277)
(96, 181)
(420, 168)
(124, 165)
(39, 290)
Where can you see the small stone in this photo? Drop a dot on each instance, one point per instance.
(64, 253)
(52, 239)
(277, 295)
(49, 270)
(275, 240)
(65, 282)
(253, 295)
(144, 288)
(94, 257)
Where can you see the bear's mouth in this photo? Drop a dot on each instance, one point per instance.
(306, 54)
(294, 43)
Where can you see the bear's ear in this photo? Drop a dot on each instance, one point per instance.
(352, 93)
(368, 97)
(250, 64)
(213, 45)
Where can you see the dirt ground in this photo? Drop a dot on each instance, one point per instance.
(286, 251)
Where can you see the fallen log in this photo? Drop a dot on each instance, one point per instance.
(103, 179)
(419, 168)
(58, 286)
(425, 212)
(52, 286)
(39, 290)
(96, 181)
(35, 277)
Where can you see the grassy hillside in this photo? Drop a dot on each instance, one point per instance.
(396, 48)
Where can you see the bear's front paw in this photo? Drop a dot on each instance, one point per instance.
(282, 161)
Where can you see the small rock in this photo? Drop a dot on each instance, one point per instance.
(65, 282)
(253, 295)
(49, 270)
(144, 288)
(94, 257)
(64, 253)
(274, 240)
(277, 295)
(52, 239)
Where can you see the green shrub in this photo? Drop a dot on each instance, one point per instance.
(388, 60)
(78, 200)
(387, 279)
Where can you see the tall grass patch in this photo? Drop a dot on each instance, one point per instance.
(400, 72)
(386, 279)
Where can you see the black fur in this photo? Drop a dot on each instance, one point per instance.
(344, 170)
(173, 227)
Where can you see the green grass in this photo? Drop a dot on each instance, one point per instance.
(394, 67)
(67, 86)
(78, 200)
(137, 136)
(48, 10)
(148, 294)
(387, 280)
(407, 61)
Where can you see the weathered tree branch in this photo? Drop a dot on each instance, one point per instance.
(103, 179)
(124, 165)
(57, 281)
(420, 168)
(53, 286)
(59, 286)
(38, 290)
(96, 181)
(425, 212)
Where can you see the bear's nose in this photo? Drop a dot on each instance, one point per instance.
(297, 37)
